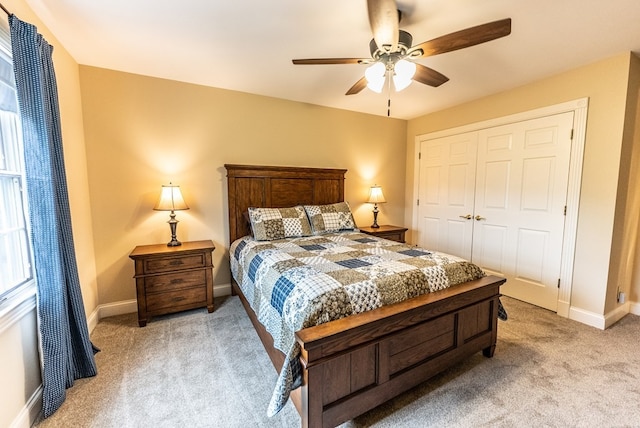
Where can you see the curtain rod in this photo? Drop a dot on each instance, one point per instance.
(5, 9)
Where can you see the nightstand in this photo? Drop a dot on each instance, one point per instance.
(394, 233)
(173, 279)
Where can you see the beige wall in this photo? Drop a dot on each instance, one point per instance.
(19, 361)
(67, 74)
(142, 132)
(626, 218)
(605, 84)
(630, 254)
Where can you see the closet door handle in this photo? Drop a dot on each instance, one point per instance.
(478, 218)
(467, 217)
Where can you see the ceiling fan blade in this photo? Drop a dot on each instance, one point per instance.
(465, 38)
(357, 87)
(383, 18)
(316, 61)
(429, 76)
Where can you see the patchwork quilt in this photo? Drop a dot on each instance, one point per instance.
(300, 282)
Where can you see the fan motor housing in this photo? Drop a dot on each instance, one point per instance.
(404, 43)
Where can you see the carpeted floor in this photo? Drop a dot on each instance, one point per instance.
(196, 369)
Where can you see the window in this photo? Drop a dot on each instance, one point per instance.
(15, 254)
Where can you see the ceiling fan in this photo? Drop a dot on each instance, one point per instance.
(392, 54)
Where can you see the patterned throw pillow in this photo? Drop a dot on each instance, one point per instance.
(330, 218)
(278, 223)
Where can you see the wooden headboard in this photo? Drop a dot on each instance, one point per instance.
(278, 186)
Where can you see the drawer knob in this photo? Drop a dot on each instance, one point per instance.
(176, 263)
(177, 281)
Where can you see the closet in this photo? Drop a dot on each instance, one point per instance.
(497, 196)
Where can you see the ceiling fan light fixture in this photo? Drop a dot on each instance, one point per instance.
(401, 84)
(375, 75)
(402, 48)
(403, 74)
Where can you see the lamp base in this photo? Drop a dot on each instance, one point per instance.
(173, 225)
(174, 243)
(375, 218)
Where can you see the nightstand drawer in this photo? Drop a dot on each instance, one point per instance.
(170, 264)
(393, 236)
(175, 281)
(393, 233)
(176, 299)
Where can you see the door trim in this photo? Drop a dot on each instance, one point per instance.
(579, 108)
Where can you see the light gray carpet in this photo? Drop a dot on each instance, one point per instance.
(196, 369)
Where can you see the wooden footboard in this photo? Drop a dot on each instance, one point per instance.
(357, 363)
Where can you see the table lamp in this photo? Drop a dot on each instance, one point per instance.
(375, 197)
(171, 200)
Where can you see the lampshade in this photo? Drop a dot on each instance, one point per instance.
(171, 199)
(375, 195)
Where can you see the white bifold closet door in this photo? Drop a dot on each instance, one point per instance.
(497, 197)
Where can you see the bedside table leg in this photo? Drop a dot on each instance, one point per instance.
(142, 323)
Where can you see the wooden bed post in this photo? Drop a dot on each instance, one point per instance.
(311, 406)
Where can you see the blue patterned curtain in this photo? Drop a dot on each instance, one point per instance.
(66, 352)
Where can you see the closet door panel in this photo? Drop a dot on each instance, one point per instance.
(495, 186)
(446, 194)
(456, 235)
(537, 184)
(530, 263)
(490, 249)
(523, 171)
(430, 226)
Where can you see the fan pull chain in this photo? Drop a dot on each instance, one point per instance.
(389, 95)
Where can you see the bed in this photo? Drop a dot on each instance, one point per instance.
(353, 364)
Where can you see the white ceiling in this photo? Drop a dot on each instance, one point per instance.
(248, 45)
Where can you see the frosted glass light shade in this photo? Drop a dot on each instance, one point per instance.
(403, 75)
(375, 76)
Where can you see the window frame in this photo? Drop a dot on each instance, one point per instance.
(21, 298)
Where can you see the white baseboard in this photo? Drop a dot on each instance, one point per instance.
(564, 308)
(110, 310)
(30, 412)
(586, 317)
(616, 315)
(604, 321)
(131, 306)
(118, 308)
(222, 290)
(92, 320)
